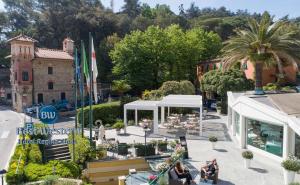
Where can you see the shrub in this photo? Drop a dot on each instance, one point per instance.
(17, 161)
(170, 87)
(291, 164)
(35, 154)
(50, 179)
(153, 95)
(213, 139)
(107, 112)
(118, 125)
(247, 155)
(187, 87)
(35, 172)
(82, 148)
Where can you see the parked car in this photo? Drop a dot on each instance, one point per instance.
(63, 105)
(211, 104)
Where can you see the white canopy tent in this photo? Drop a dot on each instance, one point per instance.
(142, 105)
(188, 101)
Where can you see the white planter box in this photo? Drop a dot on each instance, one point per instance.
(289, 176)
(247, 163)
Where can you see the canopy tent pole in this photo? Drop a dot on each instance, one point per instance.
(155, 120)
(200, 120)
(125, 119)
(162, 116)
(168, 111)
(136, 116)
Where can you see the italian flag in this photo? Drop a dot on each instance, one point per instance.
(85, 66)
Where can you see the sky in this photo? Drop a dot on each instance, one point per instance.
(279, 8)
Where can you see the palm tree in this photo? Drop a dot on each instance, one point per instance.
(263, 43)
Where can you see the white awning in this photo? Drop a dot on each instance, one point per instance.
(142, 105)
(181, 101)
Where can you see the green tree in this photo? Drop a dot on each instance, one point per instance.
(263, 43)
(121, 87)
(147, 59)
(132, 8)
(105, 64)
(220, 82)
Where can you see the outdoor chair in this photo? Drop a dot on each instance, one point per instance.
(213, 177)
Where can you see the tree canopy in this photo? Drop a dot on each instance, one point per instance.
(147, 59)
(219, 82)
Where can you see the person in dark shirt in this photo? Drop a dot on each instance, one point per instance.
(210, 169)
(183, 173)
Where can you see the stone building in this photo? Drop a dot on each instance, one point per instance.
(40, 75)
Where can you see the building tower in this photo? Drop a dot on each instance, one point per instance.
(22, 54)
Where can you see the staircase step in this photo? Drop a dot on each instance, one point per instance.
(56, 146)
(62, 158)
(57, 152)
(53, 152)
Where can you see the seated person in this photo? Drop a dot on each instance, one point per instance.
(210, 169)
(183, 173)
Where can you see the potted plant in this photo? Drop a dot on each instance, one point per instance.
(162, 145)
(140, 149)
(219, 107)
(118, 126)
(290, 166)
(213, 140)
(248, 156)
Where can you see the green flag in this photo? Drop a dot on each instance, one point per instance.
(85, 65)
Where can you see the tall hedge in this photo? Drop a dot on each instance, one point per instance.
(107, 112)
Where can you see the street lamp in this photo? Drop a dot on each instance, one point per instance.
(146, 129)
(2, 172)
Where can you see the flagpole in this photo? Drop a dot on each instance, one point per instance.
(82, 88)
(76, 84)
(75, 95)
(91, 90)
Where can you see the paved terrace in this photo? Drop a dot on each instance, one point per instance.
(263, 171)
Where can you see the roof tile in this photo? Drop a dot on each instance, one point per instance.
(52, 53)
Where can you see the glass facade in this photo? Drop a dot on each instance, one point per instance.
(265, 136)
(297, 146)
(237, 122)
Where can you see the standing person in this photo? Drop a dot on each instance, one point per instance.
(183, 173)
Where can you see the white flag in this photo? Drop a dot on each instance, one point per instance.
(95, 72)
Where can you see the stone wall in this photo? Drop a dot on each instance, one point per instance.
(63, 74)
